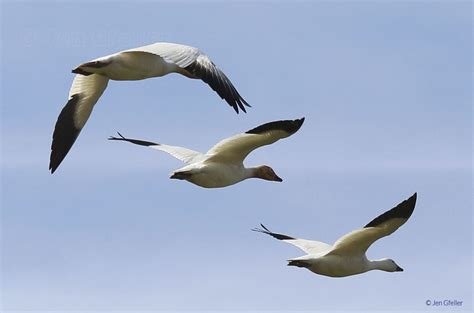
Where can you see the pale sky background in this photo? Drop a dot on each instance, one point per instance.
(386, 89)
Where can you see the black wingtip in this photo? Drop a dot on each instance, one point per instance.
(236, 108)
(274, 235)
(264, 230)
(410, 203)
(116, 138)
(51, 169)
(204, 69)
(263, 226)
(93, 64)
(298, 124)
(134, 141)
(80, 72)
(289, 126)
(237, 103)
(64, 135)
(298, 263)
(403, 210)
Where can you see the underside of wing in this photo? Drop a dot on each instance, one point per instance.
(402, 211)
(358, 241)
(84, 93)
(206, 70)
(188, 156)
(195, 64)
(236, 148)
(308, 246)
(181, 55)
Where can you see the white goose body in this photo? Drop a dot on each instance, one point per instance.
(346, 256)
(145, 62)
(210, 174)
(133, 66)
(336, 266)
(223, 164)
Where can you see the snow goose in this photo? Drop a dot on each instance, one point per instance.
(223, 165)
(154, 60)
(347, 256)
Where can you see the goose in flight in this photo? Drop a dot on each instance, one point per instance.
(154, 60)
(347, 256)
(223, 164)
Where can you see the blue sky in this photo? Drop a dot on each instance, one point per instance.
(386, 89)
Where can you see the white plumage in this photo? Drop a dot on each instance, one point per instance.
(223, 164)
(347, 256)
(154, 60)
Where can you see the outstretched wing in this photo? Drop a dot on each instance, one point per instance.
(236, 148)
(181, 55)
(84, 93)
(188, 156)
(357, 242)
(308, 246)
(196, 64)
(204, 69)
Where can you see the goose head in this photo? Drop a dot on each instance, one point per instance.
(388, 265)
(267, 173)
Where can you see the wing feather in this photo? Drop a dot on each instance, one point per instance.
(196, 64)
(206, 70)
(308, 246)
(236, 148)
(188, 156)
(180, 55)
(358, 241)
(83, 95)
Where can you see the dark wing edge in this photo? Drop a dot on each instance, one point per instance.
(135, 141)
(218, 81)
(265, 230)
(289, 126)
(65, 133)
(402, 210)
